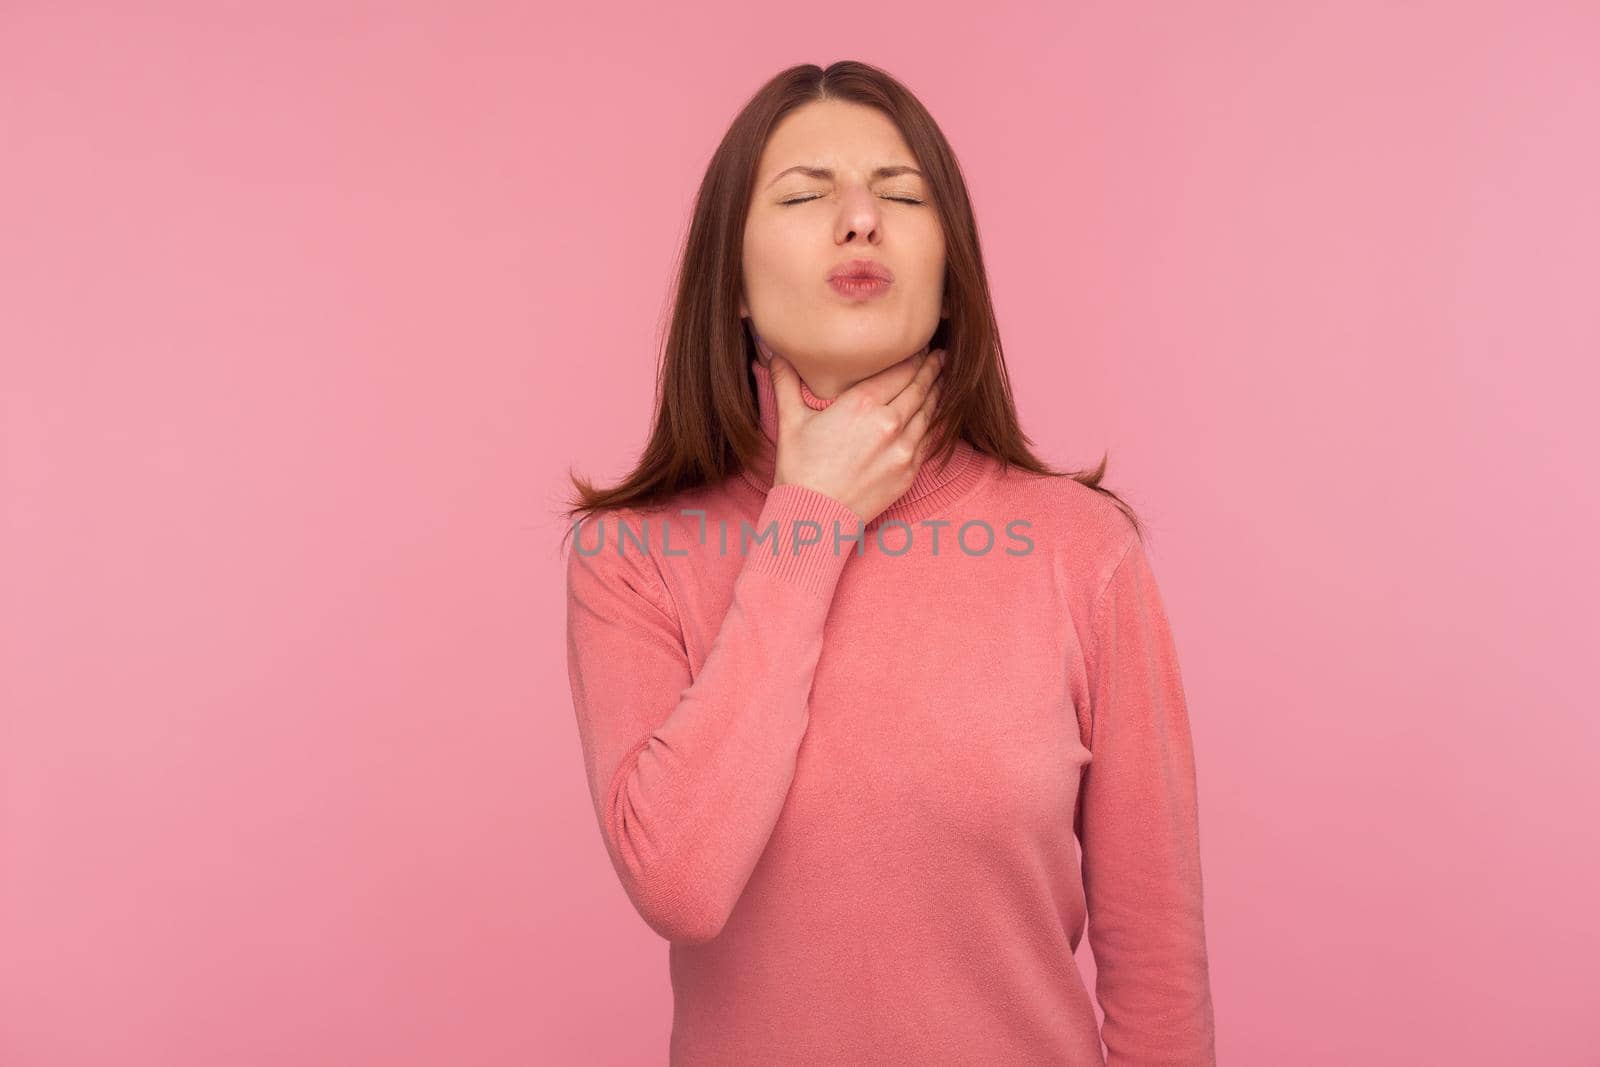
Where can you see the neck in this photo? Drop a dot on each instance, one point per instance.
(935, 485)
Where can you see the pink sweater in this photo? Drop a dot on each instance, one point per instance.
(872, 797)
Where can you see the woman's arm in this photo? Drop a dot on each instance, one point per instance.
(1139, 829)
(688, 776)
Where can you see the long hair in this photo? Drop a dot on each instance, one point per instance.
(705, 426)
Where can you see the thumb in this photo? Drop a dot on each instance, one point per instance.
(786, 386)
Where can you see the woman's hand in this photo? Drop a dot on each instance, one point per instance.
(866, 447)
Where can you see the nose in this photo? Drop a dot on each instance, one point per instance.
(859, 214)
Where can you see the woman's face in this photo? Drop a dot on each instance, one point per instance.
(803, 223)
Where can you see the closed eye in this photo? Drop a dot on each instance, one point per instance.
(803, 199)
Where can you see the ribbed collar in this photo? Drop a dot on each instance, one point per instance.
(934, 487)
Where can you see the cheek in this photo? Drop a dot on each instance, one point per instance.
(930, 259)
(776, 258)
(930, 282)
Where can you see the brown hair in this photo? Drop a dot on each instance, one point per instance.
(705, 425)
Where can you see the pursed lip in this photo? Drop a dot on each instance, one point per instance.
(861, 268)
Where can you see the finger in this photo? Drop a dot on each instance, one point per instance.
(921, 422)
(907, 402)
(923, 450)
(786, 386)
(887, 383)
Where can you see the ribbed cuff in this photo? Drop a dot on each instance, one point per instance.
(804, 536)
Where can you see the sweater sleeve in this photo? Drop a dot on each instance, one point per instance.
(1139, 831)
(689, 774)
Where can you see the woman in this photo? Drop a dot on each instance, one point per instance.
(847, 768)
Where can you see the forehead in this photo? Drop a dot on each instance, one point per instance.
(834, 134)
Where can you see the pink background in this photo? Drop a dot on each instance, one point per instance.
(305, 312)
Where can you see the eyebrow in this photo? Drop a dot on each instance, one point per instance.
(826, 174)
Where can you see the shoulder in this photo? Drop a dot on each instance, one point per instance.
(1078, 536)
(612, 551)
(1083, 526)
